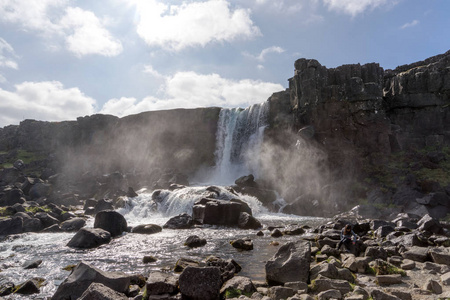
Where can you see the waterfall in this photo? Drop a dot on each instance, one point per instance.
(239, 136)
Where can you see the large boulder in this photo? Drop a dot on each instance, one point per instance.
(111, 221)
(238, 285)
(83, 275)
(89, 238)
(147, 229)
(200, 283)
(216, 212)
(98, 291)
(159, 283)
(46, 219)
(12, 196)
(247, 221)
(182, 221)
(73, 224)
(289, 264)
(12, 225)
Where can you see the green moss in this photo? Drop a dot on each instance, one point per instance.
(69, 267)
(235, 293)
(371, 271)
(36, 209)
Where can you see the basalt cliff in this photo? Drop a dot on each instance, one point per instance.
(383, 137)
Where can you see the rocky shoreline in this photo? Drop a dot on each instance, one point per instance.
(402, 258)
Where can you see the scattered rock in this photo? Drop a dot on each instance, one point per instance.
(89, 238)
(99, 291)
(147, 229)
(200, 283)
(111, 221)
(194, 241)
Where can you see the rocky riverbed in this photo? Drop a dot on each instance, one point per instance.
(282, 258)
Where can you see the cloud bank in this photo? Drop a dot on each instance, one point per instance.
(177, 27)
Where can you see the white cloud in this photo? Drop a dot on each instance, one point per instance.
(150, 70)
(261, 56)
(356, 7)
(87, 34)
(410, 24)
(7, 50)
(190, 90)
(281, 6)
(192, 24)
(47, 101)
(81, 30)
(32, 15)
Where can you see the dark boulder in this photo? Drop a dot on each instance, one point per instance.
(242, 244)
(194, 241)
(111, 221)
(89, 238)
(182, 221)
(147, 229)
(46, 219)
(12, 196)
(247, 221)
(31, 264)
(11, 226)
(29, 287)
(32, 225)
(39, 190)
(248, 180)
(227, 267)
(98, 291)
(200, 283)
(74, 224)
(183, 263)
(289, 264)
(83, 275)
(159, 283)
(216, 212)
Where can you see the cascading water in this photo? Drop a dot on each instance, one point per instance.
(239, 136)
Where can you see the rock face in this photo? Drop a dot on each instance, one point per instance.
(83, 275)
(289, 264)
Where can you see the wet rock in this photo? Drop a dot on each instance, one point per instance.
(147, 229)
(248, 180)
(46, 219)
(99, 291)
(149, 259)
(294, 230)
(11, 226)
(101, 205)
(247, 221)
(89, 238)
(29, 287)
(53, 228)
(276, 233)
(111, 221)
(83, 275)
(131, 193)
(182, 221)
(194, 241)
(74, 224)
(216, 212)
(31, 264)
(290, 263)
(6, 287)
(242, 244)
(183, 263)
(159, 283)
(200, 283)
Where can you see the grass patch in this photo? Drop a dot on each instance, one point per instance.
(236, 293)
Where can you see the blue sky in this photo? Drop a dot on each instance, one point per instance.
(60, 59)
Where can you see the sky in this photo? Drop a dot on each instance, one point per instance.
(62, 59)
